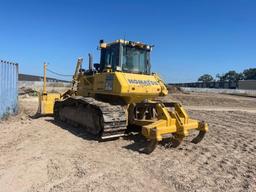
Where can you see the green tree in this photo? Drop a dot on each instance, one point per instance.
(250, 74)
(230, 76)
(219, 77)
(205, 78)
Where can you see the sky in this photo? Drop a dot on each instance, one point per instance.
(191, 37)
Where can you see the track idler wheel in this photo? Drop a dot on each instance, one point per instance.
(199, 137)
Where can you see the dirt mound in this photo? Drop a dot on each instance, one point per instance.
(27, 91)
(174, 89)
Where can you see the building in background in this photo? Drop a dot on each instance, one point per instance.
(26, 77)
(8, 88)
(241, 84)
(211, 84)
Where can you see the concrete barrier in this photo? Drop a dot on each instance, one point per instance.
(251, 93)
(37, 86)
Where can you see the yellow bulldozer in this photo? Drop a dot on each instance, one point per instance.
(120, 92)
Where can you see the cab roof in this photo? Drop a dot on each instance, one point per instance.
(125, 42)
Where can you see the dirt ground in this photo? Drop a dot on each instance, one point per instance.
(39, 155)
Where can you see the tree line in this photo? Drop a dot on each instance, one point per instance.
(247, 74)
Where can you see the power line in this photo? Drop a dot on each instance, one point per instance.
(59, 73)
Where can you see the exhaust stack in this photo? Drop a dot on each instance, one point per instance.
(90, 61)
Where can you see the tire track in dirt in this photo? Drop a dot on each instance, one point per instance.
(43, 156)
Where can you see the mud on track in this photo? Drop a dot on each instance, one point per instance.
(39, 155)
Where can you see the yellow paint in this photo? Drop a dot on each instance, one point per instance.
(131, 87)
(46, 103)
(176, 121)
(46, 100)
(44, 86)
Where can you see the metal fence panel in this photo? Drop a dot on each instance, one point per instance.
(212, 84)
(8, 88)
(247, 84)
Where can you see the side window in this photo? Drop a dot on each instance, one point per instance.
(111, 56)
(102, 59)
(148, 64)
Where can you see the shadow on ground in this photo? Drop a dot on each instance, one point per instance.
(77, 131)
(138, 142)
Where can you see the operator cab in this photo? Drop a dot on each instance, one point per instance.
(125, 56)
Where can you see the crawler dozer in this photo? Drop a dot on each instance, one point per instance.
(120, 92)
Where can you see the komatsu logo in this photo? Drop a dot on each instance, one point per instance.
(142, 82)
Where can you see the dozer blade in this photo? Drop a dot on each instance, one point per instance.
(46, 100)
(46, 103)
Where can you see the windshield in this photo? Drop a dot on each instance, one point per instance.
(135, 60)
(126, 58)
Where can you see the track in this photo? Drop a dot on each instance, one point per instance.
(101, 119)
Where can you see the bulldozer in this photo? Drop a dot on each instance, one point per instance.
(121, 92)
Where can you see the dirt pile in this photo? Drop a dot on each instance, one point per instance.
(174, 89)
(27, 91)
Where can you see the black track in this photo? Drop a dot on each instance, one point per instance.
(98, 118)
